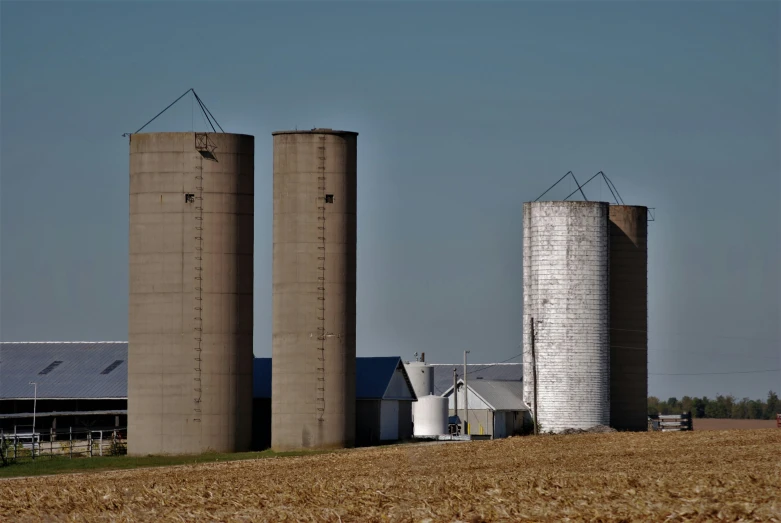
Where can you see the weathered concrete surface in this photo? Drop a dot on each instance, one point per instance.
(190, 310)
(628, 317)
(313, 349)
(566, 291)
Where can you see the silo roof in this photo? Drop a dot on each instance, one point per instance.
(316, 130)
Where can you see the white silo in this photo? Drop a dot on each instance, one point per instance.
(566, 278)
(421, 375)
(431, 416)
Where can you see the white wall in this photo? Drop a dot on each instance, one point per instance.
(474, 401)
(398, 388)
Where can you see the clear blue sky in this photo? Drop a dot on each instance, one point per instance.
(464, 110)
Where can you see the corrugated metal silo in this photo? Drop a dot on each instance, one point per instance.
(313, 349)
(190, 304)
(566, 291)
(628, 317)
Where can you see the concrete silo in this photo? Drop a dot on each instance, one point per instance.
(566, 291)
(628, 317)
(313, 349)
(190, 305)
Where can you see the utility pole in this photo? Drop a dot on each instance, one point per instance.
(466, 400)
(534, 374)
(35, 402)
(455, 392)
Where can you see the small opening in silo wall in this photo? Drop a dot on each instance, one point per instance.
(189, 198)
(329, 198)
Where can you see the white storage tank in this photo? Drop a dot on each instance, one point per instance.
(430, 416)
(566, 277)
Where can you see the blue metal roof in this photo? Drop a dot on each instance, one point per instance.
(372, 376)
(86, 369)
(92, 370)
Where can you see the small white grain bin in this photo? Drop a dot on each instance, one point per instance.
(431, 416)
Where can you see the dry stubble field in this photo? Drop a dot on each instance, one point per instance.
(705, 476)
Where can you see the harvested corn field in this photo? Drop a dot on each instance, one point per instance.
(729, 475)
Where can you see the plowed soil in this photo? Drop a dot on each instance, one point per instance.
(685, 476)
(732, 424)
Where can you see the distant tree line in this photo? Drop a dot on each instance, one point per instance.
(720, 407)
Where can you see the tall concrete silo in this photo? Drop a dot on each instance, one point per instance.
(566, 291)
(190, 311)
(628, 317)
(313, 349)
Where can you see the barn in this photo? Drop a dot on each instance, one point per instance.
(496, 407)
(83, 385)
(80, 385)
(384, 397)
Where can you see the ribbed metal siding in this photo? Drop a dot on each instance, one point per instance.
(566, 290)
(628, 317)
(313, 348)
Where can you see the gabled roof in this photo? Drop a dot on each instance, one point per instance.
(498, 395)
(374, 375)
(63, 370)
(95, 370)
(443, 373)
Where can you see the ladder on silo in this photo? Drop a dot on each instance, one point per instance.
(198, 270)
(321, 333)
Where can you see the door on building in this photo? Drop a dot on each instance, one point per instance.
(500, 430)
(389, 420)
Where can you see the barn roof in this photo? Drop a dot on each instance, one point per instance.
(63, 370)
(372, 377)
(443, 373)
(93, 370)
(498, 395)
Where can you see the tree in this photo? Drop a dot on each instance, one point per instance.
(740, 409)
(756, 409)
(686, 404)
(698, 407)
(653, 405)
(717, 408)
(773, 406)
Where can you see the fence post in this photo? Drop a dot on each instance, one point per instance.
(15, 443)
(100, 444)
(33, 446)
(70, 441)
(89, 442)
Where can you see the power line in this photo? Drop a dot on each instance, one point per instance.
(712, 373)
(492, 364)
